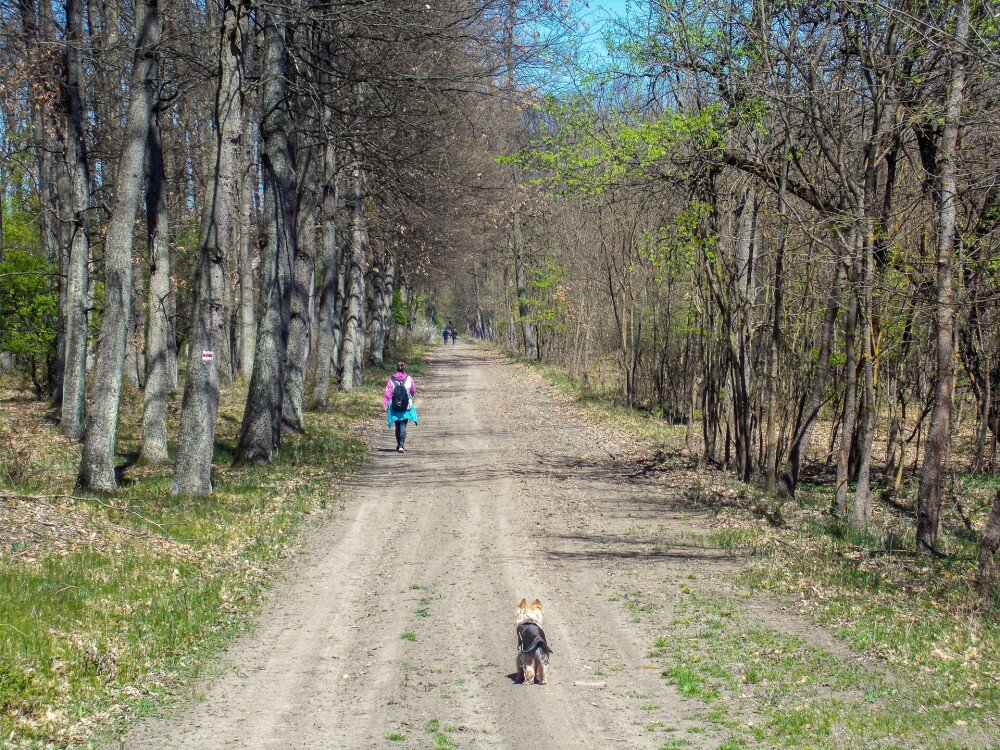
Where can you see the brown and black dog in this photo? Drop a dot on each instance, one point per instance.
(532, 649)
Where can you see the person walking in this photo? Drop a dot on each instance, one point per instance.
(444, 331)
(398, 404)
(454, 337)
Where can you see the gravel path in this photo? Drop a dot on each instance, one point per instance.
(503, 493)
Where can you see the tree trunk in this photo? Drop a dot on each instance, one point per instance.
(232, 163)
(154, 416)
(328, 313)
(354, 325)
(740, 338)
(986, 574)
(861, 511)
(260, 430)
(382, 283)
(75, 189)
(135, 350)
(850, 409)
(520, 276)
(200, 405)
(300, 322)
(247, 301)
(208, 354)
(388, 295)
(774, 369)
(935, 452)
(97, 466)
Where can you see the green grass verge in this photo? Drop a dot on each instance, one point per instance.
(916, 615)
(122, 601)
(766, 688)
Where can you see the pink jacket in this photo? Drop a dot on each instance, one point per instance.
(389, 385)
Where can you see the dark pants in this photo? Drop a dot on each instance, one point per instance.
(401, 432)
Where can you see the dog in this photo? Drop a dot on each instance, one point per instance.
(532, 648)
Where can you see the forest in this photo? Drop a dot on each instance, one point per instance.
(777, 225)
(773, 227)
(229, 191)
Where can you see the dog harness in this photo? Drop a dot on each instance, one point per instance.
(529, 637)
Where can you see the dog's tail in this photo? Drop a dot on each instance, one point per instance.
(542, 652)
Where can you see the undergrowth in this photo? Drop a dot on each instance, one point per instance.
(109, 606)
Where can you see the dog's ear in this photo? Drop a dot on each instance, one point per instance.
(537, 604)
(523, 604)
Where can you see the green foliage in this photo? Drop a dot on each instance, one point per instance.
(29, 305)
(684, 240)
(400, 315)
(588, 152)
(28, 287)
(548, 295)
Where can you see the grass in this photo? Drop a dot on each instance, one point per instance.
(109, 606)
(441, 735)
(675, 743)
(408, 635)
(777, 689)
(396, 737)
(913, 614)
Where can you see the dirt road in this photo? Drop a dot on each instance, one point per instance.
(396, 629)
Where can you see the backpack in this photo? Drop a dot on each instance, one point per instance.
(401, 396)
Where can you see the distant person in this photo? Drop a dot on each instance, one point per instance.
(454, 337)
(445, 333)
(398, 404)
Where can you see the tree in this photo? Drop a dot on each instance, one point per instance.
(73, 187)
(930, 494)
(209, 335)
(97, 467)
(260, 430)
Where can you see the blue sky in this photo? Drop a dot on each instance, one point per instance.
(597, 14)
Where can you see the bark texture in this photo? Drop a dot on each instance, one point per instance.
(935, 453)
(74, 186)
(209, 349)
(300, 321)
(97, 466)
(352, 356)
(260, 430)
(158, 381)
(327, 342)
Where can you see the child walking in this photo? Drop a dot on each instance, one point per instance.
(398, 404)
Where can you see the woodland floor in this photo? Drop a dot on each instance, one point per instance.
(395, 627)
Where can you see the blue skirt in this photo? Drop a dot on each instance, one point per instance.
(395, 416)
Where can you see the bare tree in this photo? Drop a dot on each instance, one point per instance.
(97, 466)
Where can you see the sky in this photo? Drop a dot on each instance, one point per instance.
(590, 20)
(598, 14)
